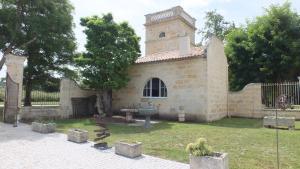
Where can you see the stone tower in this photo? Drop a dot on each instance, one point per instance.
(168, 30)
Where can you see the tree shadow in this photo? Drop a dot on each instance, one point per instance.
(129, 129)
(235, 122)
(114, 127)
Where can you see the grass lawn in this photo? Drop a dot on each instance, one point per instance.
(250, 146)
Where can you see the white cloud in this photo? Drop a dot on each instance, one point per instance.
(194, 3)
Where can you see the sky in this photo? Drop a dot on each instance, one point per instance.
(134, 11)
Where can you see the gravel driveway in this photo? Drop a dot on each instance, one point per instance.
(20, 148)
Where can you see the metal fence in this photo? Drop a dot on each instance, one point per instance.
(41, 98)
(38, 97)
(271, 91)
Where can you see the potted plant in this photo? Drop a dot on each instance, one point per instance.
(128, 149)
(41, 126)
(77, 135)
(202, 156)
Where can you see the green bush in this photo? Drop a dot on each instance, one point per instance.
(199, 148)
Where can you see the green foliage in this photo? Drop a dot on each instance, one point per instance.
(47, 25)
(111, 48)
(199, 148)
(215, 24)
(266, 50)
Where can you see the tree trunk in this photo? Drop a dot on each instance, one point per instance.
(28, 81)
(28, 89)
(99, 104)
(106, 98)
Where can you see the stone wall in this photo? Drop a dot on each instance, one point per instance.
(69, 89)
(245, 103)
(217, 80)
(186, 86)
(40, 112)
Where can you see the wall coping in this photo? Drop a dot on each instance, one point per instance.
(80, 87)
(244, 88)
(287, 110)
(41, 107)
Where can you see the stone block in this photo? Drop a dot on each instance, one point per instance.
(78, 135)
(131, 150)
(219, 161)
(43, 127)
(270, 121)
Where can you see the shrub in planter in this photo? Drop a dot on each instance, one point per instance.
(77, 135)
(127, 149)
(43, 127)
(202, 156)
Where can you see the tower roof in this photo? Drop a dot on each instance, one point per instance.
(176, 12)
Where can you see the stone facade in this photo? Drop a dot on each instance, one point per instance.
(69, 89)
(174, 22)
(186, 86)
(198, 83)
(217, 80)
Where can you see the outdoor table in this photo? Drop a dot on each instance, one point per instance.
(129, 114)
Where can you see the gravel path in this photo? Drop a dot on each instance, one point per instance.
(20, 148)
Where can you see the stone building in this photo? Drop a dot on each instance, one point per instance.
(174, 72)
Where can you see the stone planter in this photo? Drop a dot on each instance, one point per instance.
(181, 117)
(181, 114)
(130, 150)
(270, 121)
(43, 127)
(77, 135)
(218, 161)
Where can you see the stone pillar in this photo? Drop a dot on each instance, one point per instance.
(13, 94)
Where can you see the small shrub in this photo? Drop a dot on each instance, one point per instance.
(199, 148)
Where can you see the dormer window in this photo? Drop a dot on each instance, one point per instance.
(162, 34)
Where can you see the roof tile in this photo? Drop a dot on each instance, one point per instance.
(171, 55)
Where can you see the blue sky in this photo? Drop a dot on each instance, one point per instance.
(133, 11)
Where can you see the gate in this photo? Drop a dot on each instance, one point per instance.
(271, 91)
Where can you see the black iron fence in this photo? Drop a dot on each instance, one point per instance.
(271, 91)
(38, 97)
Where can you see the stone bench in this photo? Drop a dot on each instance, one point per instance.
(270, 121)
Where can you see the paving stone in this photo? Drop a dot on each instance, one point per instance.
(20, 148)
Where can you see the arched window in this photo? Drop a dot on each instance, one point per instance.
(155, 88)
(162, 34)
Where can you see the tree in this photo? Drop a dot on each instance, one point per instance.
(111, 48)
(215, 24)
(45, 27)
(267, 49)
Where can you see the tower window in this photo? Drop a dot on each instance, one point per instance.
(162, 34)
